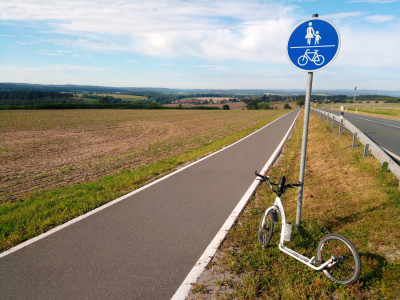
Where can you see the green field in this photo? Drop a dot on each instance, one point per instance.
(127, 98)
(123, 97)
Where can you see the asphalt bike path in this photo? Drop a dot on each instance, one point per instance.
(384, 132)
(143, 246)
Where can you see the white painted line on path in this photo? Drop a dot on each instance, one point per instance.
(210, 251)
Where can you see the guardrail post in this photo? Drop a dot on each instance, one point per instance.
(366, 149)
(333, 120)
(340, 127)
(354, 140)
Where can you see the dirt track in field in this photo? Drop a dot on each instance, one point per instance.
(46, 149)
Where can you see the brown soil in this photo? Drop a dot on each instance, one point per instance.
(46, 149)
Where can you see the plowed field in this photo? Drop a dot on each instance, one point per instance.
(40, 150)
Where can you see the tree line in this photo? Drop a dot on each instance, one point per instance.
(19, 98)
(33, 97)
(374, 98)
(57, 100)
(153, 105)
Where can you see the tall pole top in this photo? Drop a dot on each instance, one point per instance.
(315, 15)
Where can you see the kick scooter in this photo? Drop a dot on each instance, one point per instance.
(336, 256)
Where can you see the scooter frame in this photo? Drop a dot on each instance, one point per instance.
(311, 262)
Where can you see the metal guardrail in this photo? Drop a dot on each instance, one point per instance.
(369, 145)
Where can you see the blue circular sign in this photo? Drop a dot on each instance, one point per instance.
(313, 44)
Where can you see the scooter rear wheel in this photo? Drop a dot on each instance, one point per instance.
(347, 264)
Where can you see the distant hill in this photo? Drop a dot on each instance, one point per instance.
(104, 89)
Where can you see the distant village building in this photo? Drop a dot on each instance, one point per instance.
(187, 101)
(198, 101)
(218, 101)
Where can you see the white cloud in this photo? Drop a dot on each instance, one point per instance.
(374, 1)
(380, 18)
(56, 74)
(79, 68)
(24, 43)
(344, 15)
(171, 28)
(48, 53)
(50, 68)
(375, 48)
(212, 31)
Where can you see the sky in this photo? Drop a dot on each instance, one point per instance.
(186, 44)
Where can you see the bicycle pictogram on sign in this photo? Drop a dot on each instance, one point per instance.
(316, 58)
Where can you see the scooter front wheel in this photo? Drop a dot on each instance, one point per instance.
(266, 227)
(346, 265)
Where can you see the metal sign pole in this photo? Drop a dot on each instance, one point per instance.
(312, 46)
(304, 147)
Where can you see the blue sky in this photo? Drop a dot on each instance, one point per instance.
(194, 44)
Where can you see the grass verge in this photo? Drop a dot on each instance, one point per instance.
(41, 211)
(344, 194)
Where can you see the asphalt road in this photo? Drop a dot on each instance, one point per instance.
(384, 132)
(144, 246)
